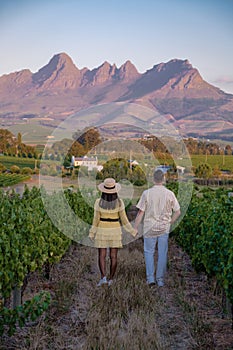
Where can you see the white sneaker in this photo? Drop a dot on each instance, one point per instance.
(102, 281)
(110, 282)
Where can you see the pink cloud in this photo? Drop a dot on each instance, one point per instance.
(223, 80)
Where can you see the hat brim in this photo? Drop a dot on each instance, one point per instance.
(116, 188)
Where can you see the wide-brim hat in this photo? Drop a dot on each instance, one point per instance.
(109, 186)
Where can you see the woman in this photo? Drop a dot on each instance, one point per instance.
(109, 216)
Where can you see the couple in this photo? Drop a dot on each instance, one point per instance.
(160, 209)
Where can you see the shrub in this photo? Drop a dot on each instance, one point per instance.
(15, 169)
(27, 170)
(2, 168)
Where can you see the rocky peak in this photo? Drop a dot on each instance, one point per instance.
(61, 60)
(108, 73)
(172, 67)
(103, 73)
(13, 81)
(22, 77)
(128, 71)
(180, 75)
(169, 74)
(60, 72)
(99, 75)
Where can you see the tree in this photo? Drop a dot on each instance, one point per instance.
(228, 150)
(116, 168)
(216, 171)
(7, 141)
(203, 171)
(19, 138)
(138, 176)
(89, 138)
(119, 169)
(67, 147)
(77, 149)
(154, 144)
(10, 145)
(67, 161)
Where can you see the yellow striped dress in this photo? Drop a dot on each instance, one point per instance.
(107, 226)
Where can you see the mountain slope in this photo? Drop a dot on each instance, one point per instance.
(175, 89)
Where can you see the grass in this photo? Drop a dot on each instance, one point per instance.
(32, 132)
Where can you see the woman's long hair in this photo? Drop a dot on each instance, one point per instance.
(109, 201)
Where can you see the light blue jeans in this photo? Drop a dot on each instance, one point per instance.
(149, 252)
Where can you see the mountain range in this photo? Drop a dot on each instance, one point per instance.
(175, 89)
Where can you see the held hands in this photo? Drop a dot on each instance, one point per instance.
(91, 236)
(92, 233)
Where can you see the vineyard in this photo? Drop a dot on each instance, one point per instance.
(205, 233)
(8, 161)
(12, 179)
(30, 242)
(223, 162)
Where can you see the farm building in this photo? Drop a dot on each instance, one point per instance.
(90, 162)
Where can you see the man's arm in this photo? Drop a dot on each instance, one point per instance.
(138, 219)
(175, 216)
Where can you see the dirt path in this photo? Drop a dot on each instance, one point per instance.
(128, 315)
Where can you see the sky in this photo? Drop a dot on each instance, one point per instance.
(146, 32)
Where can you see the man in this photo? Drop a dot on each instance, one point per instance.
(160, 209)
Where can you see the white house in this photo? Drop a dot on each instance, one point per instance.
(89, 162)
(163, 167)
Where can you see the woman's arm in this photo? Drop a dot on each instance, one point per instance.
(125, 222)
(95, 221)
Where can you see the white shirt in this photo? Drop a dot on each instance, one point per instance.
(158, 203)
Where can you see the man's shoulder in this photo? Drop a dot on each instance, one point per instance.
(158, 189)
(170, 193)
(152, 191)
(162, 189)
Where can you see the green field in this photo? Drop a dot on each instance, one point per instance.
(222, 162)
(20, 162)
(32, 132)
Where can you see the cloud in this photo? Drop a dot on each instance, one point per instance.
(223, 80)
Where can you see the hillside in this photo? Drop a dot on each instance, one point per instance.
(59, 89)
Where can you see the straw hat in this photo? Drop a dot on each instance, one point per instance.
(109, 186)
